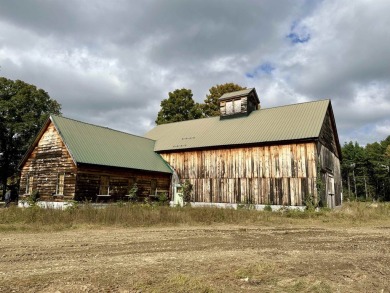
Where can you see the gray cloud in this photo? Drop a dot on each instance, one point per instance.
(111, 63)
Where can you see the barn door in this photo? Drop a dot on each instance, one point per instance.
(178, 195)
(330, 191)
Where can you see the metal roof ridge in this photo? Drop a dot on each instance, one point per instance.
(290, 105)
(213, 117)
(104, 127)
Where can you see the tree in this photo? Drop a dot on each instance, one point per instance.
(23, 110)
(366, 170)
(211, 106)
(178, 107)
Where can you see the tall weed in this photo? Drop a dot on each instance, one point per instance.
(137, 215)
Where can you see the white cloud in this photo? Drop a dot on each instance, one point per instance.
(113, 63)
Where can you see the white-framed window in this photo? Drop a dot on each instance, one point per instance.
(60, 184)
(29, 184)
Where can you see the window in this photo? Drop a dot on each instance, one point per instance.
(330, 185)
(237, 106)
(60, 184)
(229, 108)
(104, 185)
(153, 187)
(233, 107)
(29, 184)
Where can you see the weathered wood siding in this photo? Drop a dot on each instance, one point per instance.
(330, 167)
(282, 175)
(120, 182)
(49, 159)
(327, 136)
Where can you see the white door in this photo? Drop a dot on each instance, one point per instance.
(178, 195)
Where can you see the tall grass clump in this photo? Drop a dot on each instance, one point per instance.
(143, 215)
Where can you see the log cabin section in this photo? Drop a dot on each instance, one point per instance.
(279, 156)
(49, 168)
(72, 160)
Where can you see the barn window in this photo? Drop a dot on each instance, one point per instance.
(29, 184)
(104, 188)
(237, 106)
(60, 184)
(233, 107)
(330, 185)
(153, 187)
(229, 108)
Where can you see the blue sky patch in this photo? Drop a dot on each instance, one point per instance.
(295, 38)
(264, 68)
(298, 33)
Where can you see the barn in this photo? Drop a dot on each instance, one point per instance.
(279, 156)
(282, 156)
(72, 160)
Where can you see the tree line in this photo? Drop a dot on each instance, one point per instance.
(366, 170)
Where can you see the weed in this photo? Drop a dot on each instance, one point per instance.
(187, 190)
(148, 214)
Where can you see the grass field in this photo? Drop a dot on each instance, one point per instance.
(160, 249)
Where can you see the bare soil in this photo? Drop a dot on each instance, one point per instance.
(197, 259)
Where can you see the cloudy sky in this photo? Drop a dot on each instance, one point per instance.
(112, 62)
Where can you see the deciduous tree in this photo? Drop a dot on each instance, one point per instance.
(211, 106)
(23, 110)
(179, 106)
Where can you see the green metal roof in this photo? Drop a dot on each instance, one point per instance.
(292, 122)
(91, 144)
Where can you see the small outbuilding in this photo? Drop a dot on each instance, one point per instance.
(73, 160)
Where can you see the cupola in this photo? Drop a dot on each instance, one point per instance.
(238, 104)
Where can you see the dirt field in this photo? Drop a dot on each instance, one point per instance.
(197, 259)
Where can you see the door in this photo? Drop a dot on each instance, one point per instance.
(330, 192)
(178, 195)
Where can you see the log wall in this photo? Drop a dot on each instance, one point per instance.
(48, 159)
(120, 182)
(281, 175)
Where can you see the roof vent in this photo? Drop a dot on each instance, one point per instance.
(238, 104)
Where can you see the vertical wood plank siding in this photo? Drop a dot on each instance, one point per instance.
(48, 159)
(281, 175)
(330, 164)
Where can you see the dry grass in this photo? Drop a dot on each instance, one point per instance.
(137, 215)
(141, 248)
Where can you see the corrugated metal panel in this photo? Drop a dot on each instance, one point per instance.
(293, 122)
(91, 144)
(236, 94)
